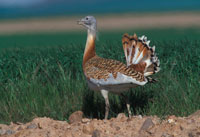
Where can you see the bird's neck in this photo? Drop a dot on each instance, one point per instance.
(90, 46)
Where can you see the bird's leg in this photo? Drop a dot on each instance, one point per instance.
(105, 95)
(127, 104)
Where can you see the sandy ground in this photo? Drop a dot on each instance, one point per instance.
(121, 126)
(105, 22)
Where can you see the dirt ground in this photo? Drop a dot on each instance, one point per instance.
(105, 22)
(121, 126)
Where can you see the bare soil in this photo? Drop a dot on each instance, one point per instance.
(105, 22)
(121, 126)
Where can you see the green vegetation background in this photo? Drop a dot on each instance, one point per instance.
(41, 75)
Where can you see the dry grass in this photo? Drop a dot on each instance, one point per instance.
(105, 22)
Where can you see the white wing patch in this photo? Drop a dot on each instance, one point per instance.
(135, 55)
(139, 58)
(120, 79)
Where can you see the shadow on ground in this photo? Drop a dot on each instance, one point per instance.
(94, 105)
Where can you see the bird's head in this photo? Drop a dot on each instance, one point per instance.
(89, 22)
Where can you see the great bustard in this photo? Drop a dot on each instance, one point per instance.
(107, 75)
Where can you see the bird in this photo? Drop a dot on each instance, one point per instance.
(112, 76)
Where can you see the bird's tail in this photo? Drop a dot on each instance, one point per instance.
(139, 55)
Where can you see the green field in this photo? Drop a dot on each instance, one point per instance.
(41, 75)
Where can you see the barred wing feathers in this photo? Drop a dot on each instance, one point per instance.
(139, 55)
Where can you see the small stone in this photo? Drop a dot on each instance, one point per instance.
(88, 129)
(9, 132)
(39, 126)
(85, 120)
(140, 116)
(96, 133)
(170, 121)
(32, 126)
(147, 124)
(122, 117)
(75, 117)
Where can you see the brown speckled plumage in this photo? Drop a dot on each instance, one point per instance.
(100, 68)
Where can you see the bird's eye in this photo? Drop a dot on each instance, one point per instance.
(86, 18)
